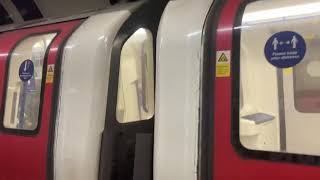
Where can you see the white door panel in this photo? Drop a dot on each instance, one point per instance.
(177, 90)
(83, 96)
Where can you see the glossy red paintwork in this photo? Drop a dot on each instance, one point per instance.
(228, 165)
(25, 157)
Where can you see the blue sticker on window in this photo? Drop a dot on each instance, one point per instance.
(285, 49)
(26, 70)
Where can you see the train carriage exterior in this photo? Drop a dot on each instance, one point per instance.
(256, 62)
(52, 70)
(177, 90)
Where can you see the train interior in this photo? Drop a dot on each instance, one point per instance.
(23, 98)
(135, 99)
(277, 103)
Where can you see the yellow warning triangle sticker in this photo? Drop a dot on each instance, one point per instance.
(50, 74)
(50, 69)
(223, 58)
(223, 66)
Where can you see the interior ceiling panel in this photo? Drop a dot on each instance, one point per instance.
(5, 18)
(62, 8)
(19, 12)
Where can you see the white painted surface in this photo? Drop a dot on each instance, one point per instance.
(83, 97)
(177, 90)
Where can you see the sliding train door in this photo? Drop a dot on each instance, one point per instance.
(265, 109)
(83, 93)
(127, 144)
(29, 65)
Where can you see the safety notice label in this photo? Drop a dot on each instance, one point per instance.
(285, 49)
(26, 70)
(223, 66)
(50, 73)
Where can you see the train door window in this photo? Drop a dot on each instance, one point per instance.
(279, 76)
(25, 79)
(307, 82)
(135, 100)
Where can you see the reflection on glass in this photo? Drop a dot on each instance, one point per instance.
(23, 94)
(307, 80)
(280, 108)
(136, 78)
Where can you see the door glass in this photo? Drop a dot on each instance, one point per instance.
(280, 77)
(135, 100)
(25, 76)
(307, 80)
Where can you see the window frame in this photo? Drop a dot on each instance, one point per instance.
(235, 107)
(24, 132)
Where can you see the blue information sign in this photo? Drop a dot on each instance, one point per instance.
(285, 49)
(26, 70)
